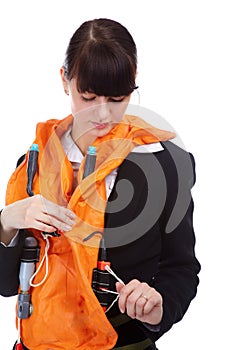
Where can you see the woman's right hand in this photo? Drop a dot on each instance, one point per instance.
(35, 212)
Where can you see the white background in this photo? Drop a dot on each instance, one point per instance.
(185, 74)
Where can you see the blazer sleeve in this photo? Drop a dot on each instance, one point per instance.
(177, 276)
(10, 262)
(9, 268)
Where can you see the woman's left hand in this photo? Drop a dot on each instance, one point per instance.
(140, 301)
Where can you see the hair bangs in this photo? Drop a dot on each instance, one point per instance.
(106, 72)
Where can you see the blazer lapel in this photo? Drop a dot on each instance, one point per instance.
(133, 198)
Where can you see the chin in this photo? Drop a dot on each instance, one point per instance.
(103, 132)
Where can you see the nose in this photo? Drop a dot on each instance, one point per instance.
(103, 109)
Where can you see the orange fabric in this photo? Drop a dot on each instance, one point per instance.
(67, 314)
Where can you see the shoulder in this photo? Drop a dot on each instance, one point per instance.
(170, 162)
(170, 156)
(172, 151)
(177, 162)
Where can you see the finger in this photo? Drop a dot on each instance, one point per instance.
(57, 211)
(119, 286)
(52, 221)
(155, 301)
(41, 226)
(62, 223)
(135, 301)
(62, 214)
(125, 293)
(140, 305)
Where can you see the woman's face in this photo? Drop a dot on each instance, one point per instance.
(95, 115)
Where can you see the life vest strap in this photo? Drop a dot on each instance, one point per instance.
(142, 345)
(137, 346)
(122, 321)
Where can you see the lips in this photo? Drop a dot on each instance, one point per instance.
(100, 126)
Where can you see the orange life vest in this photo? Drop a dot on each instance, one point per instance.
(66, 314)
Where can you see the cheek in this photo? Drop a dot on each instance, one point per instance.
(75, 108)
(117, 117)
(118, 111)
(78, 106)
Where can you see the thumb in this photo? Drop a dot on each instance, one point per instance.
(119, 287)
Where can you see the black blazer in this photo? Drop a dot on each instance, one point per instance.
(148, 232)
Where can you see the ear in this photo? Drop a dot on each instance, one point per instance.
(64, 80)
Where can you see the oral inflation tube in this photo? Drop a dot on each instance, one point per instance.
(32, 167)
(90, 161)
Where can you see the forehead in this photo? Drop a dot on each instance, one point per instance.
(105, 77)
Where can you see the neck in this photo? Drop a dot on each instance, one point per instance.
(83, 142)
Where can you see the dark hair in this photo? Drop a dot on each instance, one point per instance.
(102, 56)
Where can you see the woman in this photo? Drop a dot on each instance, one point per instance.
(134, 207)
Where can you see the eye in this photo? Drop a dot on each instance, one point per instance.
(88, 99)
(117, 99)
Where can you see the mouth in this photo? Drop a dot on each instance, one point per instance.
(100, 126)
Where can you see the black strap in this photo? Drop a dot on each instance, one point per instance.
(150, 347)
(142, 345)
(130, 334)
(101, 279)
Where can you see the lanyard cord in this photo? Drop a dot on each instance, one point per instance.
(109, 270)
(45, 258)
